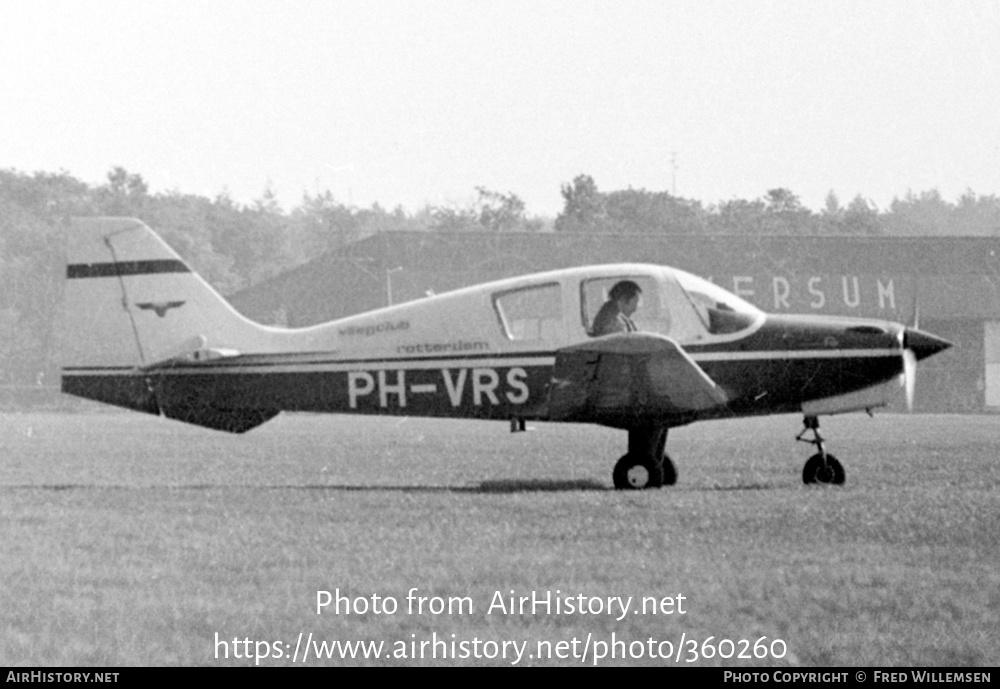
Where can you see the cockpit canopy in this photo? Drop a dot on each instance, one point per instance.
(562, 306)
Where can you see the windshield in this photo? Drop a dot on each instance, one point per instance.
(721, 312)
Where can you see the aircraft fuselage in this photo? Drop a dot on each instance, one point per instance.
(788, 361)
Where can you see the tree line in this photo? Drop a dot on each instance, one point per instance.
(779, 211)
(234, 245)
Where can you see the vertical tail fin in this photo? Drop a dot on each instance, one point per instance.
(131, 302)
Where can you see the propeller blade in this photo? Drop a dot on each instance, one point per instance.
(909, 376)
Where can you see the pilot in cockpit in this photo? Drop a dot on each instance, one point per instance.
(614, 316)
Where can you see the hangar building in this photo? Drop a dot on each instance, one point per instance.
(953, 283)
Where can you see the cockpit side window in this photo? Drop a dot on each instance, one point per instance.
(530, 313)
(651, 314)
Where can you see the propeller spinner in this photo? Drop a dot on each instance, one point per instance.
(917, 345)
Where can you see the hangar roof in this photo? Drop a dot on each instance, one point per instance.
(711, 253)
(954, 277)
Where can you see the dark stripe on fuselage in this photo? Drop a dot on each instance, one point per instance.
(123, 268)
(307, 359)
(252, 362)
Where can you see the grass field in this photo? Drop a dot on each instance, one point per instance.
(129, 540)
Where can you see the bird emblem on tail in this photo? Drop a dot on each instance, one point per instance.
(161, 307)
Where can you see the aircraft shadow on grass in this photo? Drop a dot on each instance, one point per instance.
(495, 486)
(504, 485)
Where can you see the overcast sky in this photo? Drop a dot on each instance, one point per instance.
(416, 102)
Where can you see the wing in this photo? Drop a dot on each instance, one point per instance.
(628, 379)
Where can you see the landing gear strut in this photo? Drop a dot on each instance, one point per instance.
(645, 465)
(821, 467)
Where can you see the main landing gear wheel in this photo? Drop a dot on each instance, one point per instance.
(823, 468)
(636, 473)
(645, 465)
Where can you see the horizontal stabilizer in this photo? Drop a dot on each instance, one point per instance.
(191, 352)
(629, 378)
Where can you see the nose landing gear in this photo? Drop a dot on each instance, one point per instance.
(821, 467)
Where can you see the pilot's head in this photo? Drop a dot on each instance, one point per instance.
(626, 294)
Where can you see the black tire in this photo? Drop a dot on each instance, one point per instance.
(637, 473)
(829, 471)
(668, 471)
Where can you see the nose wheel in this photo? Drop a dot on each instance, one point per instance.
(822, 467)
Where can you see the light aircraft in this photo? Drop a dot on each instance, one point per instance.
(143, 331)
